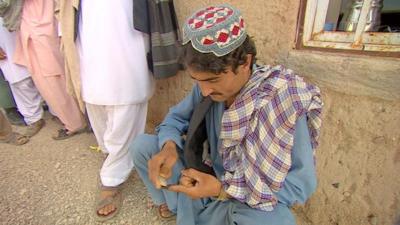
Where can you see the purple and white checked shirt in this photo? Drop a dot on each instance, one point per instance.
(257, 133)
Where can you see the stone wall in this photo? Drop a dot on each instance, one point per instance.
(359, 152)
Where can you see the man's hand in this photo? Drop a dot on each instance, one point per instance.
(197, 184)
(2, 54)
(162, 163)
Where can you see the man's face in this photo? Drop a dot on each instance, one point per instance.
(222, 87)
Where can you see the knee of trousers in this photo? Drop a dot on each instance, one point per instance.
(142, 148)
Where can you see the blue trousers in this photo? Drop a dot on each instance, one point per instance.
(300, 183)
(203, 211)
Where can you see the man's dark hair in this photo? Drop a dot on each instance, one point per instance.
(208, 62)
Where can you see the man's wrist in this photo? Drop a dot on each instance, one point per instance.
(169, 149)
(169, 143)
(168, 146)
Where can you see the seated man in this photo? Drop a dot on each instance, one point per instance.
(261, 126)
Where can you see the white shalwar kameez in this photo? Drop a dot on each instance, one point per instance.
(116, 82)
(26, 96)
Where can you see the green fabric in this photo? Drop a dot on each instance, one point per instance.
(6, 99)
(10, 11)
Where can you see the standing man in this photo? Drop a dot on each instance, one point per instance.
(250, 130)
(116, 87)
(27, 97)
(38, 50)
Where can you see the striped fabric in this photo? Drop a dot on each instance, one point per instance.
(157, 18)
(257, 133)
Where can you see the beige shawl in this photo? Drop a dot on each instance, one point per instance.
(65, 13)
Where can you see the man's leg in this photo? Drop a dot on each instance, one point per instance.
(6, 99)
(240, 213)
(8, 104)
(54, 92)
(98, 119)
(122, 124)
(232, 212)
(142, 149)
(5, 127)
(7, 135)
(28, 100)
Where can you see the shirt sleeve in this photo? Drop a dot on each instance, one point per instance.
(176, 122)
(301, 180)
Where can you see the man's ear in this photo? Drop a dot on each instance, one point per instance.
(249, 59)
(247, 64)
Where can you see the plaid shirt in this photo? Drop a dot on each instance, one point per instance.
(257, 133)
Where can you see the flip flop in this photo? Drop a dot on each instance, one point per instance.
(164, 212)
(15, 139)
(65, 134)
(34, 128)
(115, 199)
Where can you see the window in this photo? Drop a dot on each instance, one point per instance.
(362, 25)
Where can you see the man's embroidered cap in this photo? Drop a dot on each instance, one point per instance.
(218, 29)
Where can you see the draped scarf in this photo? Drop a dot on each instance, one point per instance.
(10, 11)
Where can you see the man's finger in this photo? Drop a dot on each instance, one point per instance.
(192, 173)
(165, 171)
(154, 172)
(186, 181)
(168, 165)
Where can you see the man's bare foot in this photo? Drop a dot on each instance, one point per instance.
(164, 212)
(15, 139)
(109, 208)
(109, 203)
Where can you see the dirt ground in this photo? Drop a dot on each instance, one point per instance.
(47, 182)
(55, 182)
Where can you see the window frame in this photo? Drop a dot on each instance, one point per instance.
(311, 34)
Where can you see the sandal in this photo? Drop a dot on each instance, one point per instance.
(15, 139)
(150, 203)
(65, 133)
(164, 212)
(115, 199)
(34, 128)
